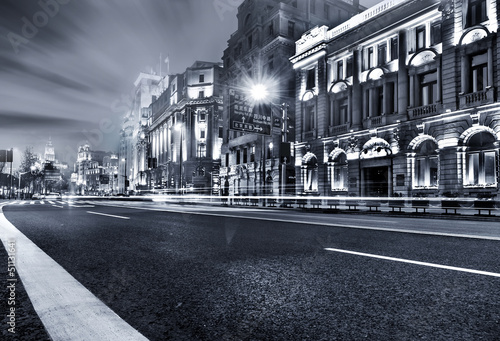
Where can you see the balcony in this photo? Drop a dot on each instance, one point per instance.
(339, 129)
(375, 121)
(424, 111)
(478, 98)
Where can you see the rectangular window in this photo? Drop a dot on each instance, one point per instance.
(340, 70)
(202, 78)
(202, 150)
(252, 154)
(291, 29)
(394, 48)
(382, 54)
(368, 58)
(227, 160)
(270, 62)
(348, 67)
(221, 132)
(420, 37)
(250, 41)
(343, 111)
(435, 33)
(203, 116)
(311, 79)
(379, 98)
(271, 29)
(476, 12)
(201, 94)
(238, 158)
(391, 99)
(479, 72)
(339, 177)
(309, 118)
(428, 88)
(480, 169)
(202, 133)
(245, 155)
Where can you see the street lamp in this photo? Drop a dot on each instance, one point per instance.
(179, 127)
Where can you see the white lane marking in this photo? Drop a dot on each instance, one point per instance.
(384, 229)
(42, 202)
(23, 202)
(402, 260)
(32, 202)
(51, 202)
(68, 310)
(58, 206)
(108, 215)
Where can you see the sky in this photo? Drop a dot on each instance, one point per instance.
(67, 67)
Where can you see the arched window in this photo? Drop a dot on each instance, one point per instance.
(337, 162)
(426, 165)
(310, 172)
(480, 160)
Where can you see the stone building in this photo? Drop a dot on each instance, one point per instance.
(185, 132)
(257, 58)
(400, 100)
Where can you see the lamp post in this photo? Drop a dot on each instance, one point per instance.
(19, 187)
(179, 128)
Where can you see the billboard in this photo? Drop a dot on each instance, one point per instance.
(247, 116)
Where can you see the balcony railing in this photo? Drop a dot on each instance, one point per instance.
(424, 111)
(477, 98)
(375, 121)
(339, 129)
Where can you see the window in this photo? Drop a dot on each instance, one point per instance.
(250, 41)
(342, 111)
(428, 88)
(382, 54)
(426, 165)
(480, 163)
(435, 33)
(313, 6)
(238, 157)
(221, 132)
(271, 29)
(245, 155)
(339, 173)
(202, 133)
(201, 94)
(479, 72)
(203, 116)
(309, 117)
(227, 160)
(202, 150)
(348, 68)
(294, 3)
(340, 70)
(368, 58)
(475, 11)
(270, 62)
(291, 29)
(394, 48)
(311, 79)
(379, 101)
(420, 37)
(202, 78)
(252, 154)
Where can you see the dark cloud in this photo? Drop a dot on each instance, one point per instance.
(19, 120)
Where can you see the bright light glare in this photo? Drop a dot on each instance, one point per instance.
(259, 92)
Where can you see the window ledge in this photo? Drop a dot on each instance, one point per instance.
(494, 185)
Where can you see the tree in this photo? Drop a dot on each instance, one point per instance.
(28, 160)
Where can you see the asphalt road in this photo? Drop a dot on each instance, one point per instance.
(187, 273)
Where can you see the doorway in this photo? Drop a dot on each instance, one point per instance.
(376, 181)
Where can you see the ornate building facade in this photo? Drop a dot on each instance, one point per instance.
(400, 100)
(255, 133)
(185, 132)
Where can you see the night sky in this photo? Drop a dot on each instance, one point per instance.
(67, 71)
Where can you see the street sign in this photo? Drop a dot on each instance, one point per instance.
(248, 117)
(6, 155)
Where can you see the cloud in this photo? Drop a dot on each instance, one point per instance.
(20, 120)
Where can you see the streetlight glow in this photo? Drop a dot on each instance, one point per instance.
(259, 92)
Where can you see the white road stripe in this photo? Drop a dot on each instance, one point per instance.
(42, 202)
(370, 228)
(402, 260)
(23, 202)
(32, 202)
(68, 310)
(108, 215)
(58, 206)
(51, 202)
